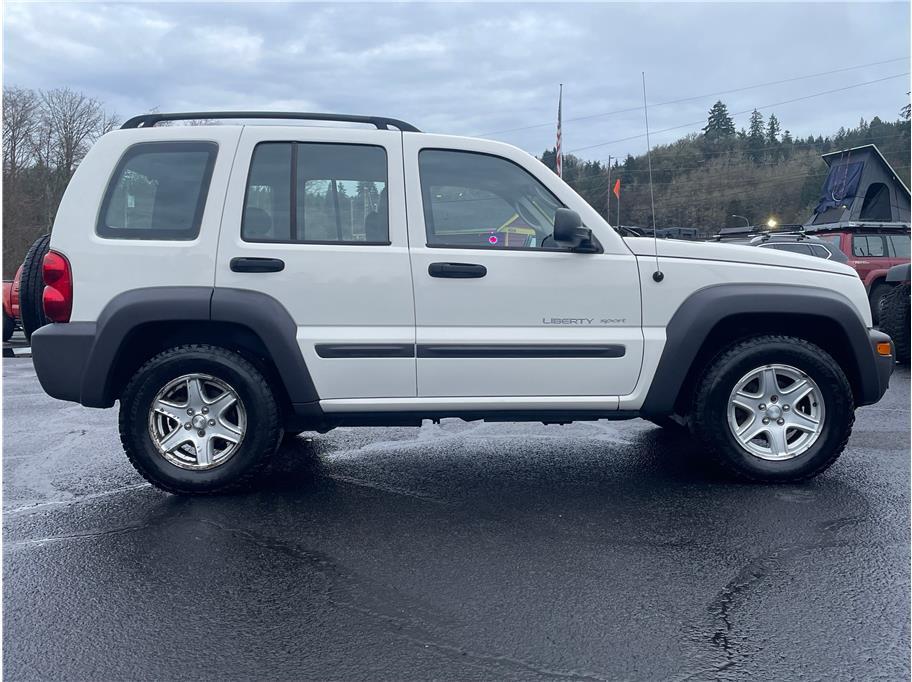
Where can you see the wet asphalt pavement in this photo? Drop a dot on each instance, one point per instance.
(466, 551)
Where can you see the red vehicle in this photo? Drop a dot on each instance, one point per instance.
(22, 305)
(872, 250)
(865, 209)
(11, 305)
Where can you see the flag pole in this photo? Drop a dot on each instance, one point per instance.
(619, 209)
(559, 156)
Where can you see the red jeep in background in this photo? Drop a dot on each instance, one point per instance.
(11, 305)
(22, 304)
(865, 209)
(871, 250)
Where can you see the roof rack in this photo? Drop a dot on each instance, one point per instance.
(381, 122)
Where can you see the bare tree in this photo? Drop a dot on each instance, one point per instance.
(20, 122)
(75, 121)
(45, 136)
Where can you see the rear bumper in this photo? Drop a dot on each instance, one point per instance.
(876, 384)
(60, 353)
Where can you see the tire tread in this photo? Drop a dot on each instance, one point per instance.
(894, 319)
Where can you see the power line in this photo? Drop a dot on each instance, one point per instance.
(746, 111)
(696, 97)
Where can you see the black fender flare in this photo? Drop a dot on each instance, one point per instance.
(899, 273)
(262, 314)
(702, 311)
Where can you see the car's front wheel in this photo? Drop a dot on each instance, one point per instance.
(199, 419)
(774, 409)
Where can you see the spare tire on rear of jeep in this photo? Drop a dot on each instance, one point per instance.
(31, 288)
(894, 319)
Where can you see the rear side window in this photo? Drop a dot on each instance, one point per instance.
(794, 248)
(833, 239)
(819, 251)
(899, 245)
(868, 245)
(317, 193)
(158, 191)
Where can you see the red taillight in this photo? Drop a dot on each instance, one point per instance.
(58, 292)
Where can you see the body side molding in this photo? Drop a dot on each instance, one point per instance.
(520, 350)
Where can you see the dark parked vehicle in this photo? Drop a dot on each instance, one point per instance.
(794, 241)
(798, 242)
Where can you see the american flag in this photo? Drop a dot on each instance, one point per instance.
(559, 162)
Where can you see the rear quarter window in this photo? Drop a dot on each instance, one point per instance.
(158, 191)
(834, 239)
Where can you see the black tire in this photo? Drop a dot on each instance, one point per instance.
(894, 319)
(709, 419)
(9, 326)
(31, 287)
(261, 439)
(878, 291)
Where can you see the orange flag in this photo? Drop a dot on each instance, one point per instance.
(617, 188)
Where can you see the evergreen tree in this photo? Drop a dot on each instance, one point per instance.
(719, 125)
(756, 137)
(772, 129)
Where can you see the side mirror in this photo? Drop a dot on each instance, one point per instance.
(569, 231)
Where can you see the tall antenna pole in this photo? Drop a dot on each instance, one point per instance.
(608, 205)
(658, 275)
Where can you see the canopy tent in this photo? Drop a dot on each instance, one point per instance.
(861, 187)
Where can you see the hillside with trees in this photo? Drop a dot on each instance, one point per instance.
(704, 178)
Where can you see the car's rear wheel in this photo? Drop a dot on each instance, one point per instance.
(199, 419)
(774, 409)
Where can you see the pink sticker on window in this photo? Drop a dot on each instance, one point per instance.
(492, 239)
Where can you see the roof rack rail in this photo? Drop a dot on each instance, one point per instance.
(381, 122)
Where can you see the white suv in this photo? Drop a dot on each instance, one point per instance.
(229, 283)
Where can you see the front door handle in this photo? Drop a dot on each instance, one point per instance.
(457, 270)
(257, 265)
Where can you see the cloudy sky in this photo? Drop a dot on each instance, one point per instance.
(478, 69)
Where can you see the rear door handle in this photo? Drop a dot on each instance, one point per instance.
(457, 270)
(257, 265)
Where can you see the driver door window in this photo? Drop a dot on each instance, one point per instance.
(474, 200)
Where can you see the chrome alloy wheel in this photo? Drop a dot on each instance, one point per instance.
(197, 422)
(776, 412)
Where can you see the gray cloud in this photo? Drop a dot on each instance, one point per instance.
(472, 68)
